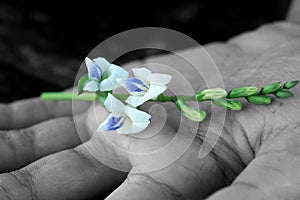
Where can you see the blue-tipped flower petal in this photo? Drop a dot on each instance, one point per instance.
(137, 116)
(135, 101)
(94, 71)
(114, 105)
(133, 85)
(91, 86)
(124, 119)
(145, 86)
(142, 73)
(160, 78)
(112, 123)
(154, 91)
(106, 74)
(102, 63)
(130, 128)
(111, 75)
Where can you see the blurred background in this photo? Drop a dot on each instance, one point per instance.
(42, 44)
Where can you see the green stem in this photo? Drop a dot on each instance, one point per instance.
(67, 96)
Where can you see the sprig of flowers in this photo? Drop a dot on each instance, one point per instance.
(103, 77)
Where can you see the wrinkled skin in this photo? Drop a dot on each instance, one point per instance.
(257, 156)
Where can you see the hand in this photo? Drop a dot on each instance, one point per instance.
(258, 153)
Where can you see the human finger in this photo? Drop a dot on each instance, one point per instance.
(28, 112)
(20, 147)
(69, 174)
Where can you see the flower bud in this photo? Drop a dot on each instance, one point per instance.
(209, 94)
(190, 112)
(228, 104)
(259, 99)
(283, 94)
(271, 88)
(290, 84)
(242, 92)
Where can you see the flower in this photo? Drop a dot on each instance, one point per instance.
(144, 86)
(123, 118)
(102, 75)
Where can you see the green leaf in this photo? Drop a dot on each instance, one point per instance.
(283, 94)
(271, 88)
(242, 92)
(290, 84)
(209, 94)
(190, 112)
(259, 99)
(81, 83)
(102, 96)
(228, 104)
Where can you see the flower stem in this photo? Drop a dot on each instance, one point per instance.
(276, 88)
(67, 96)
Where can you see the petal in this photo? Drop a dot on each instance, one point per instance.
(154, 91)
(102, 63)
(160, 78)
(134, 85)
(130, 127)
(94, 70)
(114, 105)
(91, 86)
(118, 71)
(135, 100)
(113, 73)
(112, 122)
(142, 73)
(137, 116)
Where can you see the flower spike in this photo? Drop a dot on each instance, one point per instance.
(103, 77)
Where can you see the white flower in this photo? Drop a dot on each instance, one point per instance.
(102, 75)
(146, 85)
(123, 118)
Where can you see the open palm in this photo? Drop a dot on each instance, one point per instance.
(256, 157)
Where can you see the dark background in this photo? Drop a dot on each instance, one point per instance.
(42, 44)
